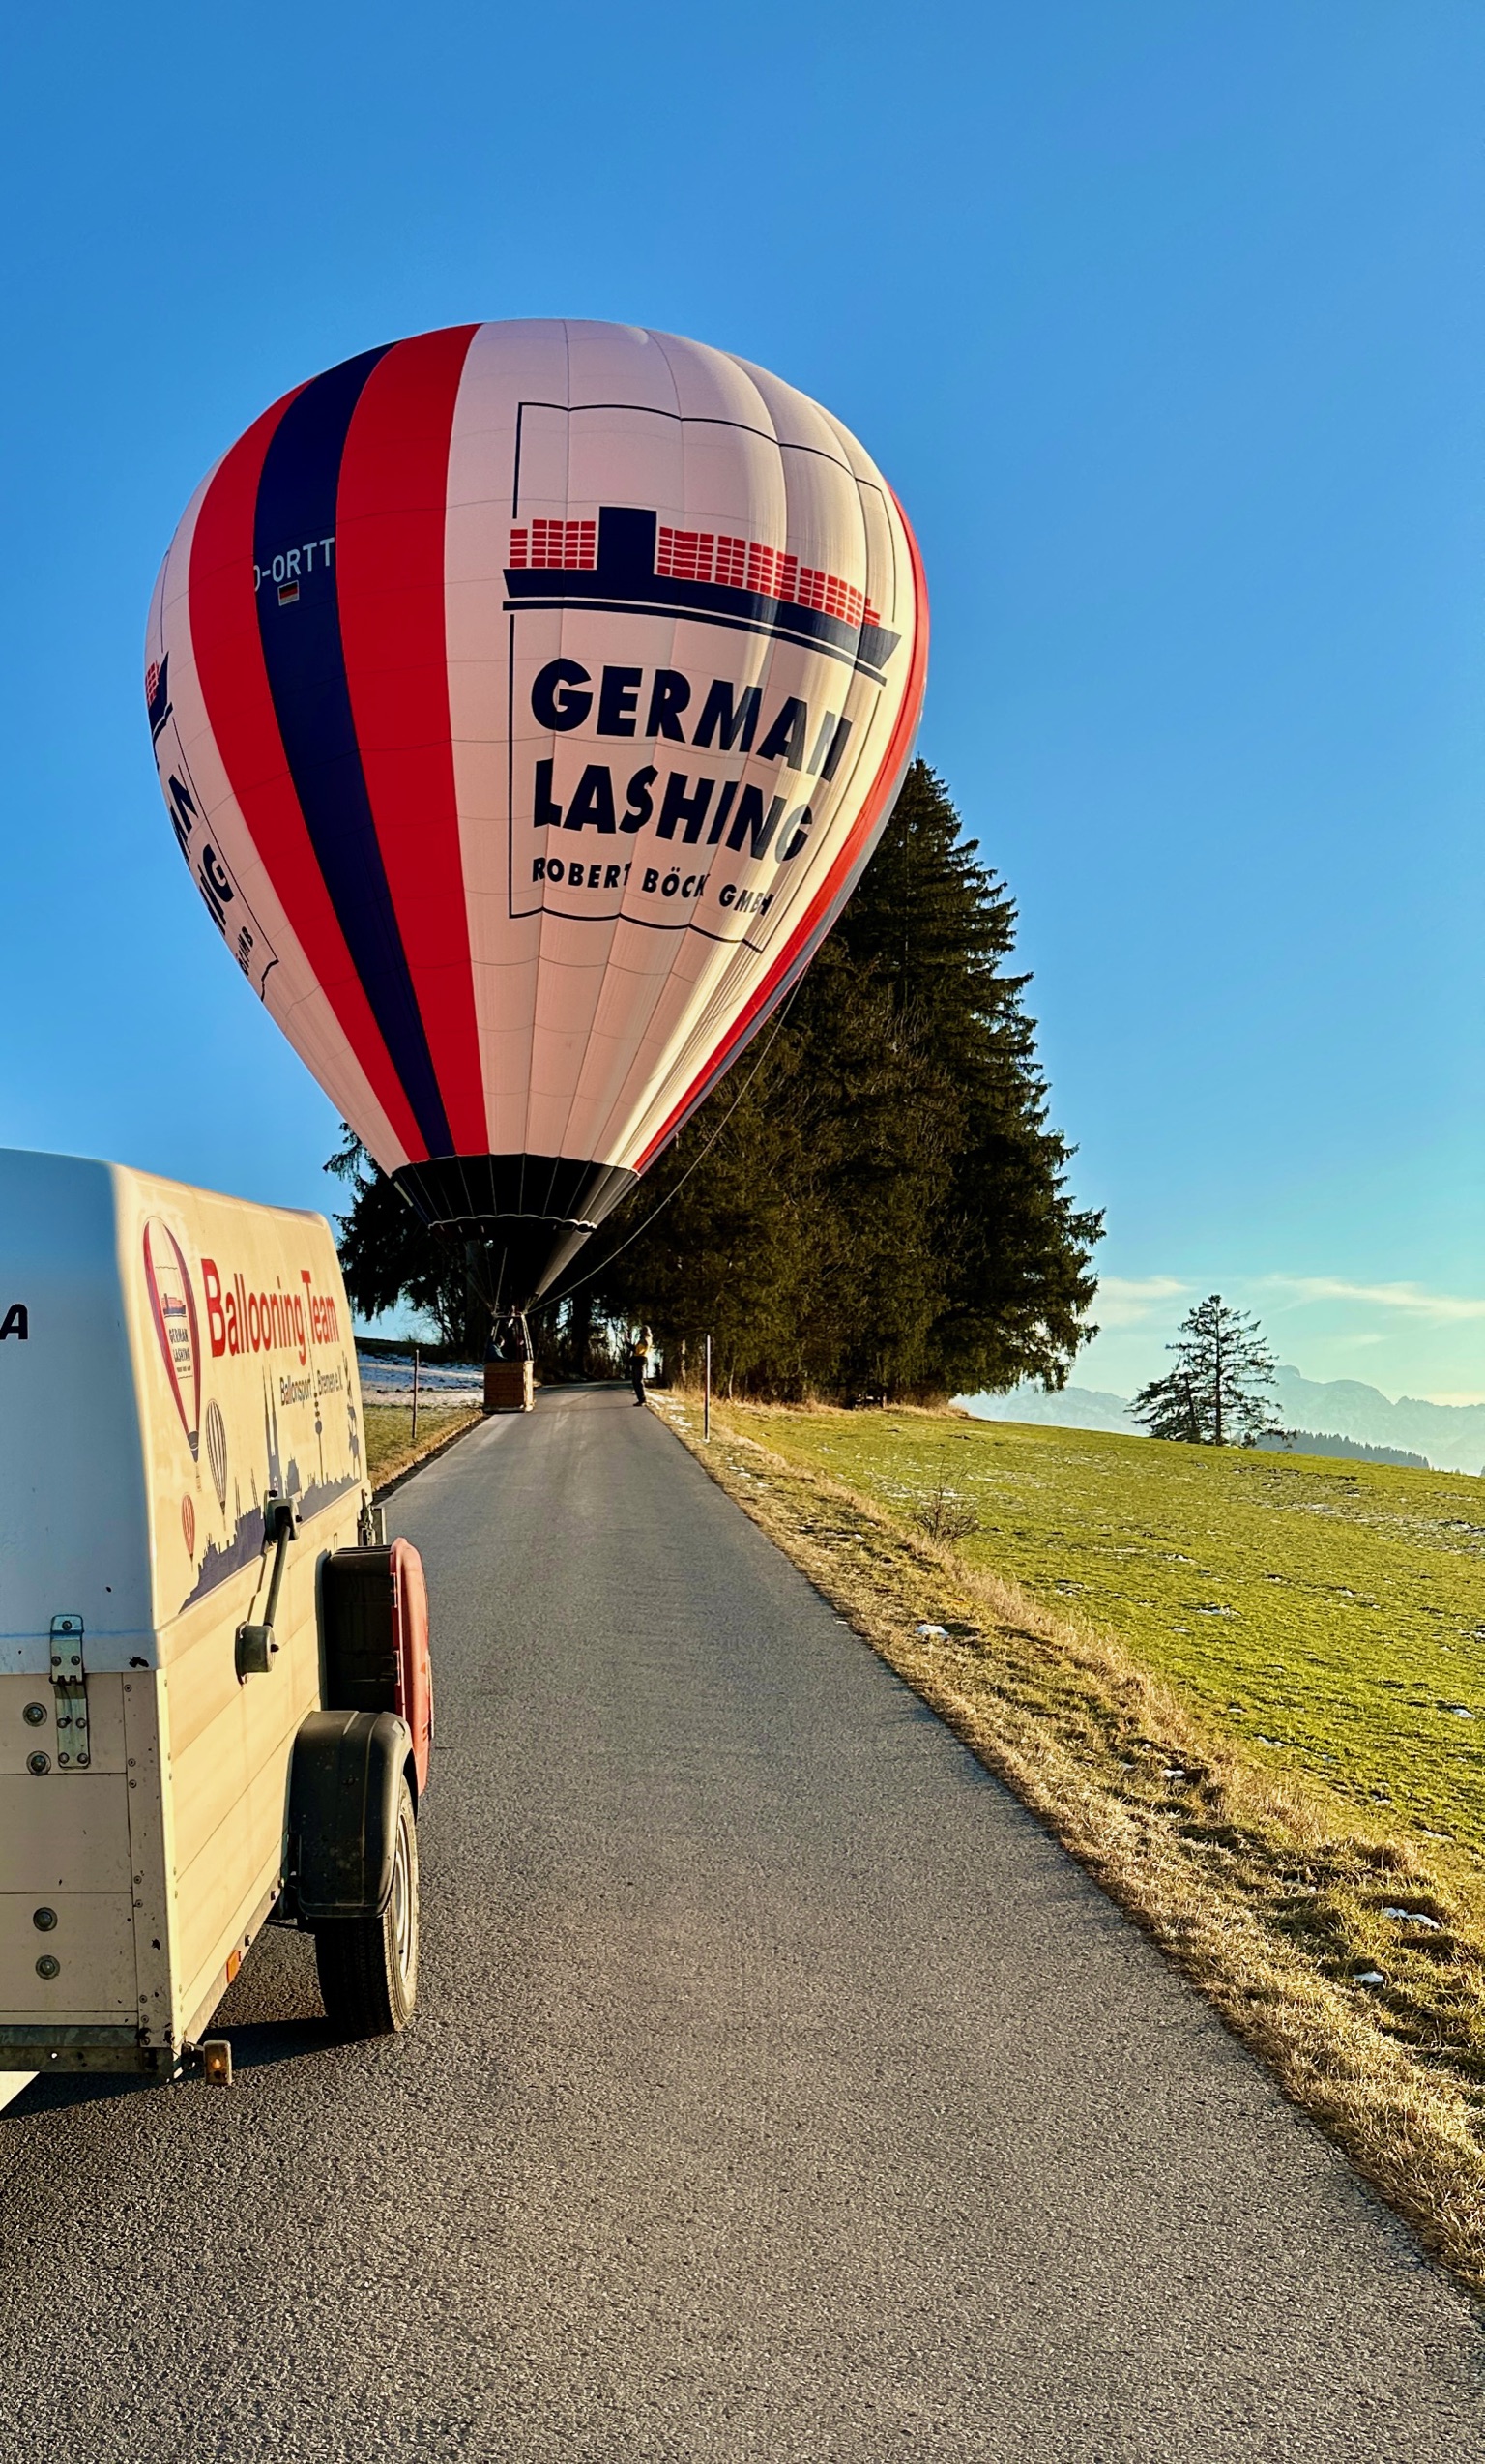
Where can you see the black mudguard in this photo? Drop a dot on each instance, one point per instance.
(343, 1785)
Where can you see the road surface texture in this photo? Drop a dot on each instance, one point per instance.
(778, 2090)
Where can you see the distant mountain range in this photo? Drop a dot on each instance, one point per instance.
(1449, 1436)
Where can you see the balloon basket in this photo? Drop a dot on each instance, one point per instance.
(509, 1387)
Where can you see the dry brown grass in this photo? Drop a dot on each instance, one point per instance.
(390, 1451)
(1268, 1892)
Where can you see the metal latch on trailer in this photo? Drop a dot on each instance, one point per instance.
(70, 1692)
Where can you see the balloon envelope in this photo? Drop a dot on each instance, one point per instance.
(527, 699)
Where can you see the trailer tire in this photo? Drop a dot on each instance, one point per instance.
(368, 1965)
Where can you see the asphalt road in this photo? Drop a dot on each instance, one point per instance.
(778, 2090)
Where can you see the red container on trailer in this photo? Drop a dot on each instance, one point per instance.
(374, 1612)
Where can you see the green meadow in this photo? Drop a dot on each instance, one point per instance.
(1330, 1613)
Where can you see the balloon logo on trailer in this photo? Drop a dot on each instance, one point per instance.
(174, 1309)
(527, 700)
(216, 1452)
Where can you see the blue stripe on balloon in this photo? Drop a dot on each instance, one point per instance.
(299, 625)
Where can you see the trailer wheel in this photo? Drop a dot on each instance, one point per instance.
(368, 1965)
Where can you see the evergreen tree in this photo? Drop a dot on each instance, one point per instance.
(803, 1236)
(1217, 1394)
(936, 927)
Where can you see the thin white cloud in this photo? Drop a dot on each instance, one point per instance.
(1129, 1301)
(1411, 1299)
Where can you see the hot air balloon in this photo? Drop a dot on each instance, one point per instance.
(527, 699)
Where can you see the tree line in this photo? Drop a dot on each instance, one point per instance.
(872, 1202)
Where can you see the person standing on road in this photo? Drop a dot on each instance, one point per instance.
(639, 1363)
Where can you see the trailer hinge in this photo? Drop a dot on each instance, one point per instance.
(70, 1689)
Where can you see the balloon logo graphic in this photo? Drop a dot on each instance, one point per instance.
(189, 1525)
(527, 699)
(216, 1452)
(174, 1309)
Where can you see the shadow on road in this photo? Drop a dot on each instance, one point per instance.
(59, 2091)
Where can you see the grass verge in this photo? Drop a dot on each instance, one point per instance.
(1290, 1904)
(389, 1448)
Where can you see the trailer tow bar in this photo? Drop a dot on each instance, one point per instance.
(255, 1644)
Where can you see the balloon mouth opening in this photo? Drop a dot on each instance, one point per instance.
(521, 1217)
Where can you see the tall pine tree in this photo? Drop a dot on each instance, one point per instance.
(936, 927)
(1217, 1394)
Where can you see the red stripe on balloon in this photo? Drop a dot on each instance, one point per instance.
(892, 765)
(239, 706)
(391, 517)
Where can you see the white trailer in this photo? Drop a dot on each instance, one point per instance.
(214, 1701)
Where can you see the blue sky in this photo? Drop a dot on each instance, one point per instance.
(1164, 320)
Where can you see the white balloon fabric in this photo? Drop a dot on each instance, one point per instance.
(527, 700)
